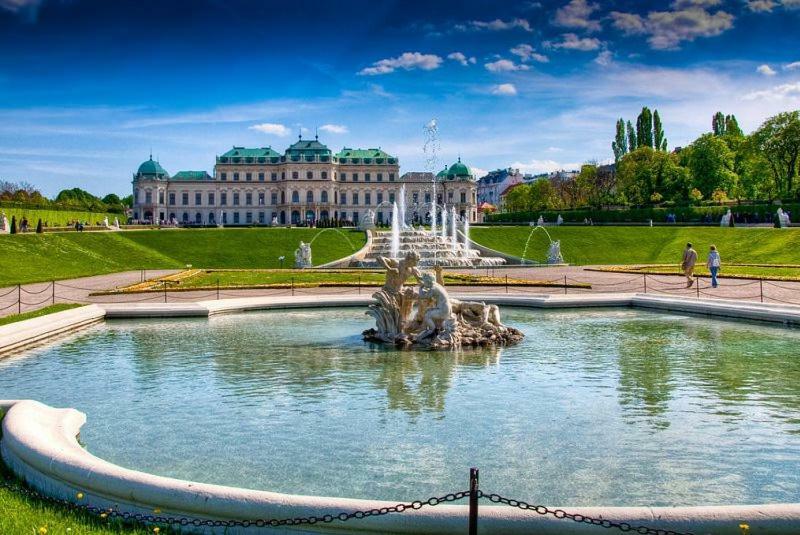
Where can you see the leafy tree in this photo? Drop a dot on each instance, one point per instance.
(127, 200)
(112, 198)
(645, 172)
(659, 140)
(644, 128)
(732, 126)
(778, 141)
(620, 143)
(632, 141)
(718, 124)
(710, 162)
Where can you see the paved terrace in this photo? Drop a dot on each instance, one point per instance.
(38, 295)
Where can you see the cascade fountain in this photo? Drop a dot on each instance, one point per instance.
(466, 235)
(401, 205)
(395, 237)
(431, 148)
(453, 231)
(444, 223)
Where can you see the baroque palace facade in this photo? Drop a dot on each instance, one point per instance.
(308, 183)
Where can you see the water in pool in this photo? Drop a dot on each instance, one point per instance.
(594, 407)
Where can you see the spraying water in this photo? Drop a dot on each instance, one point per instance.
(402, 207)
(352, 247)
(431, 150)
(466, 234)
(528, 241)
(453, 230)
(444, 223)
(395, 243)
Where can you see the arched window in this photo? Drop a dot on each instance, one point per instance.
(309, 196)
(185, 217)
(295, 196)
(198, 218)
(283, 199)
(323, 196)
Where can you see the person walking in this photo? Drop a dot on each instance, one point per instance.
(689, 260)
(713, 263)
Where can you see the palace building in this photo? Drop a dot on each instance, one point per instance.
(306, 184)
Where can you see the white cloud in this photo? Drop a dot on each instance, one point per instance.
(496, 25)
(779, 92)
(461, 58)
(334, 128)
(26, 9)
(766, 70)
(792, 66)
(571, 41)
(668, 29)
(527, 53)
(504, 90)
(577, 14)
(505, 65)
(273, 129)
(761, 6)
(604, 58)
(478, 172)
(791, 4)
(681, 4)
(535, 167)
(407, 61)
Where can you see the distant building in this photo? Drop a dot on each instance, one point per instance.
(305, 184)
(491, 186)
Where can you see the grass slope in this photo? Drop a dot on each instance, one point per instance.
(53, 256)
(56, 218)
(646, 245)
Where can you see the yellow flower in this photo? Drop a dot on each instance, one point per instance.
(103, 515)
(79, 495)
(156, 510)
(745, 528)
(156, 529)
(43, 530)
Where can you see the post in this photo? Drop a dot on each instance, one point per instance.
(165, 291)
(565, 285)
(359, 283)
(292, 285)
(19, 299)
(644, 278)
(761, 288)
(506, 283)
(53, 288)
(698, 279)
(217, 288)
(473, 501)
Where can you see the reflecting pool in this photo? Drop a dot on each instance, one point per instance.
(594, 407)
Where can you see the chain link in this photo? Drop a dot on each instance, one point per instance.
(576, 517)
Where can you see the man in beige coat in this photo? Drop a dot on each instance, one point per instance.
(689, 260)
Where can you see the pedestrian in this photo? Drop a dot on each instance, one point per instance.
(714, 263)
(689, 260)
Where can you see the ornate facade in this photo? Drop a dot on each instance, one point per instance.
(306, 184)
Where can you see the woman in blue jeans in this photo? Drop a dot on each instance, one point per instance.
(714, 262)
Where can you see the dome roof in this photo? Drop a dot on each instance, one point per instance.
(457, 171)
(442, 173)
(151, 169)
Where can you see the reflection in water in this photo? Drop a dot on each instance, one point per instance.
(595, 406)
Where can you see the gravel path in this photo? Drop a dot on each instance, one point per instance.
(35, 296)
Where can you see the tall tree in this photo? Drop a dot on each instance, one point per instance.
(711, 162)
(778, 140)
(644, 128)
(718, 124)
(620, 143)
(632, 142)
(659, 141)
(732, 126)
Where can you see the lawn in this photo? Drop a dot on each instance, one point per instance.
(788, 273)
(57, 218)
(54, 256)
(36, 313)
(646, 245)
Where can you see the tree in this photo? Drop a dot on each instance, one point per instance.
(732, 126)
(659, 141)
(718, 124)
(620, 143)
(644, 128)
(778, 141)
(632, 141)
(13, 224)
(39, 228)
(710, 162)
(111, 199)
(645, 172)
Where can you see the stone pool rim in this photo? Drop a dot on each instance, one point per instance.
(39, 442)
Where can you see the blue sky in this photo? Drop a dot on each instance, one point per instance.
(88, 87)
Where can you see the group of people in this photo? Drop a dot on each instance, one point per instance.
(713, 263)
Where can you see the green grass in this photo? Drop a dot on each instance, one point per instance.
(735, 271)
(646, 245)
(54, 256)
(37, 313)
(56, 218)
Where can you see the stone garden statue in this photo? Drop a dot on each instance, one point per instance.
(540, 222)
(783, 218)
(274, 221)
(302, 256)
(116, 223)
(427, 316)
(5, 228)
(368, 222)
(554, 253)
(726, 219)
(106, 224)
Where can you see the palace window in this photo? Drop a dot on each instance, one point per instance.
(261, 197)
(415, 197)
(463, 197)
(283, 197)
(324, 175)
(323, 196)
(343, 198)
(391, 197)
(380, 197)
(295, 175)
(355, 197)
(235, 217)
(248, 198)
(248, 177)
(261, 218)
(161, 198)
(236, 198)
(223, 199)
(185, 217)
(309, 175)
(379, 176)
(223, 176)
(309, 196)
(184, 198)
(366, 177)
(355, 177)
(367, 198)
(449, 196)
(391, 177)
(236, 176)
(198, 200)
(295, 197)
(274, 198)
(249, 217)
(343, 177)
(211, 198)
(172, 199)
(261, 177)
(283, 175)
(427, 198)
(274, 177)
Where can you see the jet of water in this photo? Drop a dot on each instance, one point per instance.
(395, 243)
(431, 150)
(453, 230)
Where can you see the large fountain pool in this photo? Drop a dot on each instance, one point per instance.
(594, 407)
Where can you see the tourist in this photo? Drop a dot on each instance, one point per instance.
(689, 260)
(713, 263)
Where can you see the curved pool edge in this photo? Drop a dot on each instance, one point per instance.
(39, 445)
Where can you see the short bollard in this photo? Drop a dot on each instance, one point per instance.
(473, 501)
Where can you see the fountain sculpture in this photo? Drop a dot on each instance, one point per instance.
(5, 228)
(427, 316)
(302, 256)
(783, 218)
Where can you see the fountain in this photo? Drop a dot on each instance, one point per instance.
(401, 206)
(453, 231)
(395, 243)
(466, 235)
(427, 316)
(726, 219)
(431, 148)
(302, 256)
(553, 251)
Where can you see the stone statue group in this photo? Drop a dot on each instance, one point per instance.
(427, 316)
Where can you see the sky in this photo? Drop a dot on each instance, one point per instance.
(89, 87)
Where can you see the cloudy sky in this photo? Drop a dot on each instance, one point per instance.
(88, 87)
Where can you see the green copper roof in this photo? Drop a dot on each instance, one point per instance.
(191, 175)
(305, 147)
(151, 169)
(442, 173)
(243, 152)
(458, 170)
(362, 153)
